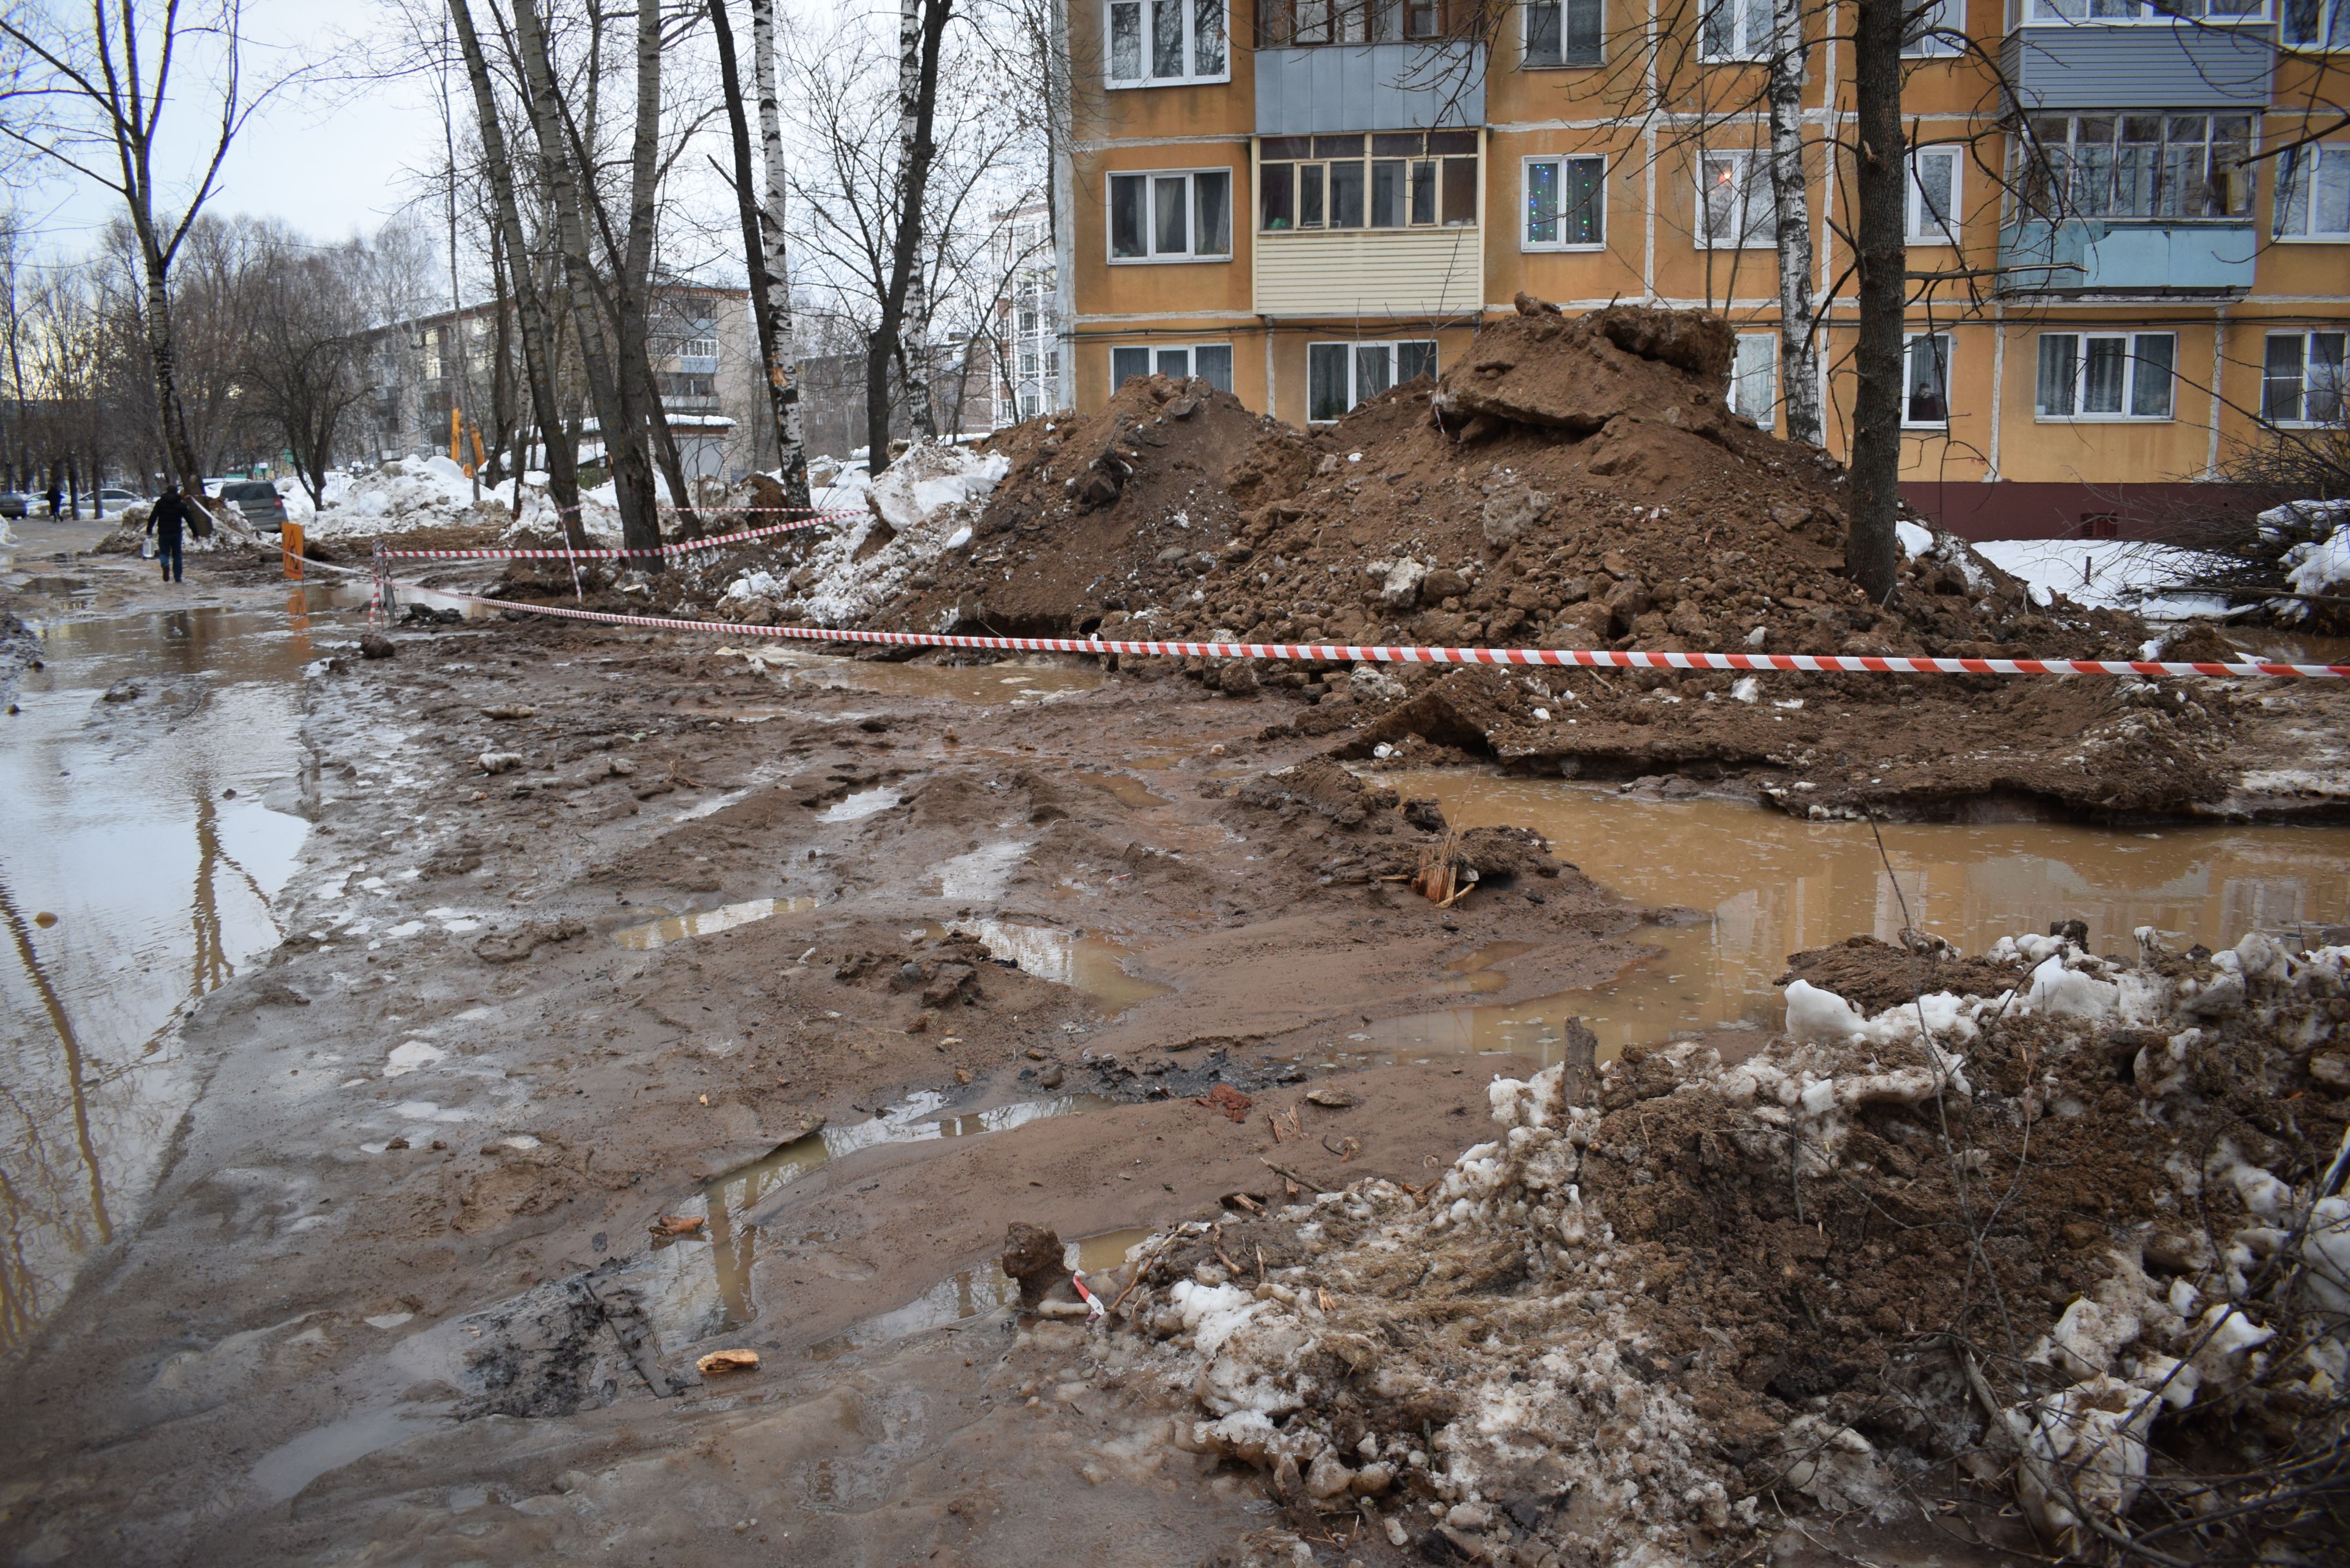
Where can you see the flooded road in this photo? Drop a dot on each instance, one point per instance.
(1762, 884)
(136, 875)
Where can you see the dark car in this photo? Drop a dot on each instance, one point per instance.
(15, 503)
(257, 501)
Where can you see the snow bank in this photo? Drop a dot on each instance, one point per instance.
(924, 505)
(2104, 573)
(2319, 567)
(411, 493)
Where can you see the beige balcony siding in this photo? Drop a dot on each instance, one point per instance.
(1369, 273)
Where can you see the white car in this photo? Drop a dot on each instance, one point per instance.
(112, 503)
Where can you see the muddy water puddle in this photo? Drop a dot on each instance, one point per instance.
(1094, 965)
(137, 874)
(972, 1293)
(661, 933)
(696, 1295)
(1768, 884)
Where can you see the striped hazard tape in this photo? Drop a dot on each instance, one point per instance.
(685, 547)
(1335, 653)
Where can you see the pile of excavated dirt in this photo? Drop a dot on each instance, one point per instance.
(2070, 1248)
(1572, 484)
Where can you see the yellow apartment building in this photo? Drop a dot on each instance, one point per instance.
(2137, 253)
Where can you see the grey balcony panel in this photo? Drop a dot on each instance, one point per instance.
(2140, 66)
(1370, 87)
(2099, 255)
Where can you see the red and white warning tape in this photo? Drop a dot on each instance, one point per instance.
(1332, 653)
(685, 547)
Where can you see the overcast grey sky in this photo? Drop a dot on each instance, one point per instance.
(329, 160)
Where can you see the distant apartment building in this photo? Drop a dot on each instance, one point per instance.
(705, 364)
(2130, 259)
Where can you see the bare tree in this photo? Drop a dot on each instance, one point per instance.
(302, 371)
(94, 101)
(763, 235)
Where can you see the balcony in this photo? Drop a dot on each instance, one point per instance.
(2128, 255)
(2137, 65)
(1369, 273)
(1331, 87)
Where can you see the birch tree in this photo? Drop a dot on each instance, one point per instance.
(763, 238)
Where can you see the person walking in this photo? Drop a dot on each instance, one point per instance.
(171, 514)
(56, 500)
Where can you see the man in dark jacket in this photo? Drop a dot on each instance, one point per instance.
(171, 514)
(57, 501)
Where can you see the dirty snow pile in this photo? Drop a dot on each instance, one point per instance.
(1636, 1330)
(2316, 566)
(923, 506)
(411, 493)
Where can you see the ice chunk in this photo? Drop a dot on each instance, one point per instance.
(1817, 1014)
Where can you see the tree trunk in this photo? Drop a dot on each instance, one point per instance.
(537, 328)
(624, 443)
(762, 236)
(922, 23)
(1870, 549)
(1799, 364)
(633, 302)
(163, 359)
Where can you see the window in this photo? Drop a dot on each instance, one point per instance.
(1296, 24)
(1754, 377)
(1934, 196)
(1211, 362)
(1562, 32)
(2157, 11)
(1155, 42)
(2317, 24)
(1184, 216)
(2300, 383)
(1926, 379)
(1735, 207)
(2106, 375)
(1735, 30)
(1340, 375)
(2313, 195)
(1565, 204)
(2138, 166)
(1932, 29)
(434, 369)
(1411, 179)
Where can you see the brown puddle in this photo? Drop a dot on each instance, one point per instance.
(136, 877)
(971, 1292)
(1771, 884)
(1132, 791)
(708, 922)
(733, 1203)
(1094, 965)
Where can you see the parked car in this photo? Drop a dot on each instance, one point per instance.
(15, 503)
(257, 501)
(112, 503)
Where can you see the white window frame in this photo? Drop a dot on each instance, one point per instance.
(1565, 62)
(1930, 19)
(1525, 194)
(1745, 18)
(1752, 166)
(2330, 30)
(1355, 398)
(1146, 12)
(1154, 256)
(1753, 389)
(2301, 419)
(1910, 341)
(2136, 363)
(1919, 222)
(1190, 352)
(2293, 183)
(2129, 13)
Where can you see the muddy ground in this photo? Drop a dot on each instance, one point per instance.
(397, 1295)
(453, 1095)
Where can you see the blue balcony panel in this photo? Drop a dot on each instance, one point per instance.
(2127, 255)
(1335, 87)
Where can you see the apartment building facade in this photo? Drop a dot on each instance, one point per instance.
(2129, 252)
(705, 362)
